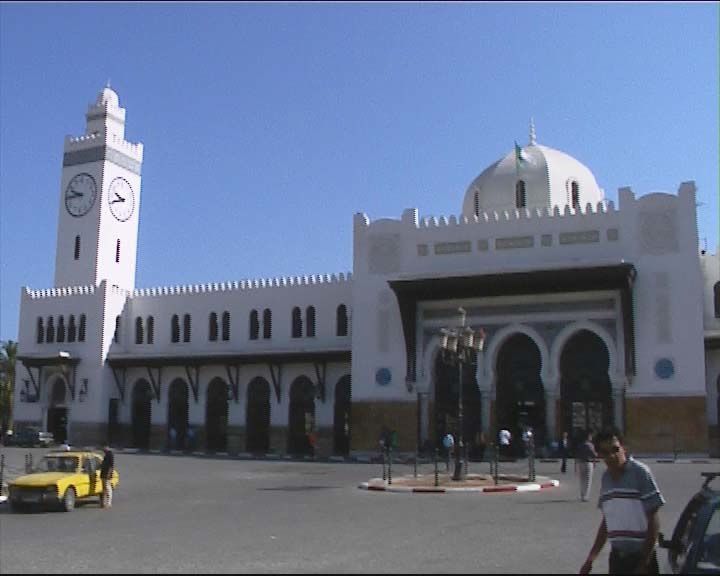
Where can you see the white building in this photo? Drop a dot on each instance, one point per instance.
(593, 314)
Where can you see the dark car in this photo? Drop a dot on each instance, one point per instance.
(695, 544)
(30, 436)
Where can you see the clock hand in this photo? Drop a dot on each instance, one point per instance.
(118, 198)
(76, 194)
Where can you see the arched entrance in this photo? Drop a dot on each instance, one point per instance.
(446, 383)
(257, 423)
(216, 416)
(141, 414)
(520, 394)
(57, 416)
(341, 420)
(585, 389)
(178, 415)
(301, 422)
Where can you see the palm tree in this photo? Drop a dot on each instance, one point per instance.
(8, 355)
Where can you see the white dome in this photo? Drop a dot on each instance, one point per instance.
(549, 177)
(109, 97)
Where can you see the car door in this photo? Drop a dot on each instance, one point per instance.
(90, 479)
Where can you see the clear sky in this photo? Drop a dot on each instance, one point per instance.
(266, 126)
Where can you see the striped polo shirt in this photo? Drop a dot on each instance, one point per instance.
(625, 503)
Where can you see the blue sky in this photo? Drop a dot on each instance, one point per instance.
(267, 126)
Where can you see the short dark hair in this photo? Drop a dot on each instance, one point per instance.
(607, 434)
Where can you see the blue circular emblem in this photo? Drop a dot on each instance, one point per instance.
(664, 368)
(383, 376)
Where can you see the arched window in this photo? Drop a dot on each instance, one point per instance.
(213, 327)
(138, 330)
(520, 197)
(226, 326)
(296, 323)
(254, 325)
(77, 247)
(50, 330)
(267, 323)
(717, 299)
(71, 329)
(575, 194)
(175, 328)
(61, 329)
(342, 320)
(310, 321)
(81, 329)
(40, 330)
(117, 251)
(150, 324)
(186, 328)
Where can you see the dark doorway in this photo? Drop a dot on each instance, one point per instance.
(585, 389)
(520, 394)
(113, 430)
(447, 387)
(57, 417)
(216, 416)
(141, 414)
(257, 423)
(341, 421)
(302, 417)
(178, 415)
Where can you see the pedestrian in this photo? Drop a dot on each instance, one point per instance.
(629, 501)
(448, 443)
(173, 437)
(585, 465)
(106, 473)
(504, 438)
(564, 446)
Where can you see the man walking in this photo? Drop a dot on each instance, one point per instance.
(106, 473)
(629, 500)
(585, 465)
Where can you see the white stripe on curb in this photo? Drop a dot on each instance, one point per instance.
(528, 487)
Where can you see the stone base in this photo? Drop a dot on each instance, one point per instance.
(667, 425)
(369, 418)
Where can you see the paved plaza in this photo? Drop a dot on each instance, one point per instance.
(201, 514)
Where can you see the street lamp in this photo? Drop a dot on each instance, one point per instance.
(458, 345)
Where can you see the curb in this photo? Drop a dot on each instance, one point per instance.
(525, 487)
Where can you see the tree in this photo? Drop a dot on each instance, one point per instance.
(8, 355)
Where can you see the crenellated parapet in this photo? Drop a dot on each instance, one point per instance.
(95, 139)
(250, 284)
(58, 292)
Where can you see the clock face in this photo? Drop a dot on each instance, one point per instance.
(121, 199)
(80, 194)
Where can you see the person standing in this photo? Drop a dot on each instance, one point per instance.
(564, 447)
(629, 501)
(106, 473)
(505, 438)
(584, 466)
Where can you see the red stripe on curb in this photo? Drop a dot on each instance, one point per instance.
(501, 489)
(376, 488)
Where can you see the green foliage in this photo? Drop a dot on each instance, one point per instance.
(8, 355)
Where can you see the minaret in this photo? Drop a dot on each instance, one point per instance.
(99, 200)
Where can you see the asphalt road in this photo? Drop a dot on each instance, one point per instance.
(196, 514)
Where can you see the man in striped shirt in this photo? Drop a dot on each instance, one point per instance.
(629, 500)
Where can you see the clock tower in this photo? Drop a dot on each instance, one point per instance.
(99, 201)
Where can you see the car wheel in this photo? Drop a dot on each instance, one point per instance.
(69, 499)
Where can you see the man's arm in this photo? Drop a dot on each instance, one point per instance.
(600, 540)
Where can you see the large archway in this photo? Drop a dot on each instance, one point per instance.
(585, 388)
(216, 416)
(57, 416)
(446, 383)
(141, 414)
(520, 394)
(301, 421)
(178, 415)
(341, 420)
(257, 423)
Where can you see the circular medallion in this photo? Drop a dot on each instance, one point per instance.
(383, 376)
(664, 368)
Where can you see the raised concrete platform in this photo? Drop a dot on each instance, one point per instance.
(483, 483)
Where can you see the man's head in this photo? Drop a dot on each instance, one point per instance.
(609, 446)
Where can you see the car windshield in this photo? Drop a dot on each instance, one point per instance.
(710, 556)
(58, 464)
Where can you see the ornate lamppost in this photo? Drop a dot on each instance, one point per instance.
(458, 345)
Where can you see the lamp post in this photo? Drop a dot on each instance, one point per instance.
(457, 345)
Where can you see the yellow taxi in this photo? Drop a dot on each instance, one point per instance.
(60, 480)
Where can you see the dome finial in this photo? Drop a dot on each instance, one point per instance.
(532, 132)
(108, 83)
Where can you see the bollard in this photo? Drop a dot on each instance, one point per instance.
(415, 465)
(465, 454)
(436, 467)
(497, 461)
(2, 472)
(531, 460)
(383, 464)
(390, 465)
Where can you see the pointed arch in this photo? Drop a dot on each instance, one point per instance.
(141, 414)
(216, 415)
(257, 418)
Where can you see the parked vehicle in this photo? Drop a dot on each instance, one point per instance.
(60, 480)
(30, 436)
(695, 544)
